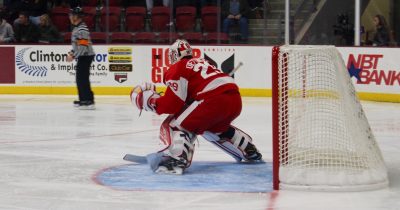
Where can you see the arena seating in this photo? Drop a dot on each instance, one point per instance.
(67, 37)
(160, 18)
(185, 18)
(145, 37)
(90, 3)
(167, 37)
(135, 25)
(59, 16)
(114, 3)
(135, 18)
(114, 19)
(90, 17)
(121, 37)
(209, 18)
(213, 37)
(98, 37)
(194, 37)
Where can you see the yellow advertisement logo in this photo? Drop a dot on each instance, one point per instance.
(120, 59)
(120, 50)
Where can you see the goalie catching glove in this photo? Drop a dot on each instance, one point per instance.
(144, 96)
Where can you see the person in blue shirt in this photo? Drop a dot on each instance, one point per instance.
(236, 12)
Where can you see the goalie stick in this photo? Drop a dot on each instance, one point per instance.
(236, 68)
(153, 159)
(135, 158)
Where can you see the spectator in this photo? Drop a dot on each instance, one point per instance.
(48, 32)
(235, 12)
(381, 37)
(6, 30)
(36, 8)
(26, 31)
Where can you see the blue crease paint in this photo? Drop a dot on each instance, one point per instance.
(201, 176)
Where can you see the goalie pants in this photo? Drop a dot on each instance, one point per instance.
(213, 114)
(82, 78)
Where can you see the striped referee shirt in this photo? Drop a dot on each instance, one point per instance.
(81, 42)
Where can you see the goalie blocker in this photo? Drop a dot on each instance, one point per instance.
(201, 100)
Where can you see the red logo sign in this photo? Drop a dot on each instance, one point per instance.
(365, 67)
(160, 63)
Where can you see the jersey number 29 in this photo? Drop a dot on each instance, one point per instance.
(202, 66)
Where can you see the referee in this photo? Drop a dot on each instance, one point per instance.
(82, 50)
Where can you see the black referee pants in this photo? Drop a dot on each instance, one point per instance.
(82, 78)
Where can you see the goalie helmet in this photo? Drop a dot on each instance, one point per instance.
(179, 49)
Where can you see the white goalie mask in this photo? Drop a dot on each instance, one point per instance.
(179, 49)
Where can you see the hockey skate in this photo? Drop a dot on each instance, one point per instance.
(178, 153)
(252, 154)
(171, 165)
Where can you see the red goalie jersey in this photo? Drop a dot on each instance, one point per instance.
(191, 80)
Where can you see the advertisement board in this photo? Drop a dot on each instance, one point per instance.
(125, 66)
(120, 67)
(373, 70)
(253, 73)
(47, 66)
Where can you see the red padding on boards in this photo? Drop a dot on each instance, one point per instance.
(7, 65)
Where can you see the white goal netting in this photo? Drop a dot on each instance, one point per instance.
(325, 141)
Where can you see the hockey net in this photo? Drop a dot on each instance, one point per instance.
(321, 137)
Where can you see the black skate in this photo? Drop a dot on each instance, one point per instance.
(86, 105)
(252, 154)
(171, 166)
(76, 103)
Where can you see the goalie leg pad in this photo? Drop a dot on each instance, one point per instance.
(226, 146)
(182, 147)
(237, 137)
(236, 143)
(179, 149)
(243, 141)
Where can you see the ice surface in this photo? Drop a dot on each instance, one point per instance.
(51, 153)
